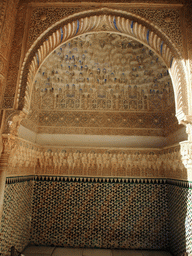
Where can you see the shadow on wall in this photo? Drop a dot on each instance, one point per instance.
(180, 219)
(96, 214)
(16, 219)
(100, 214)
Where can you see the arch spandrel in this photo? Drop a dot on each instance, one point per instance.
(105, 23)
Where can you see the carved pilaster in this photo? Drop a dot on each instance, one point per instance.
(186, 157)
(8, 145)
(189, 131)
(186, 147)
(14, 126)
(186, 153)
(3, 166)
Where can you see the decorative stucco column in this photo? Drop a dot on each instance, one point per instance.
(2, 189)
(6, 144)
(3, 169)
(186, 151)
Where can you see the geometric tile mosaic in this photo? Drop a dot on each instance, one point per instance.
(16, 219)
(102, 215)
(180, 219)
(97, 213)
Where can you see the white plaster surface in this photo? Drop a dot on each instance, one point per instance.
(101, 141)
(27, 134)
(177, 136)
(75, 140)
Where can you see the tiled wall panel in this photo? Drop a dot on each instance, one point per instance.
(104, 215)
(16, 219)
(180, 219)
(97, 214)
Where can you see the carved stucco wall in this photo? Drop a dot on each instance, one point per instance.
(38, 18)
(34, 18)
(28, 158)
(188, 42)
(107, 83)
(110, 23)
(65, 163)
(168, 19)
(7, 26)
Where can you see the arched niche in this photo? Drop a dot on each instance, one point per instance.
(104, 20)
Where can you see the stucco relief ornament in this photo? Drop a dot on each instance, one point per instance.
(100, 23)
(1, 143)
(189, 131)
(1, 64)
(186, 149)
(14, 126)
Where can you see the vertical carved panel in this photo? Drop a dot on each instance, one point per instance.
(7, 26)
(188, 26)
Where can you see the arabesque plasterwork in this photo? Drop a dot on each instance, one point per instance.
(7, 22)
(146, 14)
(168, 19)
(78, 76)
(103, 23)
(132, 24)
(16, 54)
(27, 158)
(103, 72)
(102, 81)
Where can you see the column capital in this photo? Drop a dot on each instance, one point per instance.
(186, 154)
